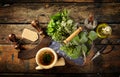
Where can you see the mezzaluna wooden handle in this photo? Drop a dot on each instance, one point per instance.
(12, 38)
(17, 44)
(35, 24)
(73, 35)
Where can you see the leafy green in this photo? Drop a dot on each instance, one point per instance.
(83, 37)
(72, 51)
(92, 35)
(61, 26)
(75, 40)
(58, 26)
(84, 48)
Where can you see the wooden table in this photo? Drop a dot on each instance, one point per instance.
(16, 15)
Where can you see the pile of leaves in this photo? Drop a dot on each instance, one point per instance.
(62, 26)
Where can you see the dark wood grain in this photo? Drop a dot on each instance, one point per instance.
(17, 29)
(108, 63)
(16, 15)
(26, 12)
(57, 1)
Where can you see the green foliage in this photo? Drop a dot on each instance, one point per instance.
(61, 26)
(92, 35)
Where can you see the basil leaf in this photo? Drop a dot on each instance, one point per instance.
(84, 48)
(92, 35)
(83, 37)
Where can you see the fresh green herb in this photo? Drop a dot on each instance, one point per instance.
(83, 37)
(61, 26)
(47, 58)
(92, 35)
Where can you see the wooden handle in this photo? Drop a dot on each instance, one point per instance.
(35, 24)
(17, 46)
(12, 38)
(73, 35)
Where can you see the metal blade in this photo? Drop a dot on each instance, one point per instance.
(28, 54)
(96, 55)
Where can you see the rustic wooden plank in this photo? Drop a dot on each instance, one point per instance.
(17, 29)
(8, 62)
(24, 1)
(26, 12)
(16, 1)
(104, 63)
(107, 62)
(16, 65)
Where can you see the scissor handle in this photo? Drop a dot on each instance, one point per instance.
(104, 49)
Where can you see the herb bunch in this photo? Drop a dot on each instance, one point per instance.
(61, 26)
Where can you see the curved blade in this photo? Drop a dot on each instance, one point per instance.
(28, 54)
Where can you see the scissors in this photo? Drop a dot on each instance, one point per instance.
(103, 49)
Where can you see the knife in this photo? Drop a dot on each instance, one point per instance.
(28, 54)
(44, 42)
(31, 53)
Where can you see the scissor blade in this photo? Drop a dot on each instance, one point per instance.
(96, 55)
